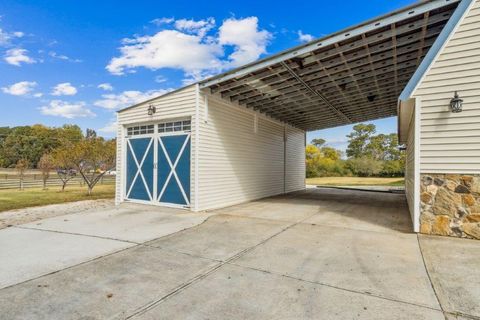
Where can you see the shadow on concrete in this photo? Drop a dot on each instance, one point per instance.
(375, 211)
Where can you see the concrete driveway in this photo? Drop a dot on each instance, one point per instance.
(318, 254)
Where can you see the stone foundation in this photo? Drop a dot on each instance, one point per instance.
(450, 205)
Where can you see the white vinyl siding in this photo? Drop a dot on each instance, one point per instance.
(295, 160)
(450, 143)
(179, 105)
(238, 163)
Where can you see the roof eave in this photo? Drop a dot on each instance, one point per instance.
(347, 33)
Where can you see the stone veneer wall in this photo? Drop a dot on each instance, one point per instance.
(450, 205)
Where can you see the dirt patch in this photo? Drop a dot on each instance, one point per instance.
(26, 215)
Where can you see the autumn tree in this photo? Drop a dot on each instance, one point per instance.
(63, 163)
(21, 167)
(93, 157)
(322, 161)
(45, 165)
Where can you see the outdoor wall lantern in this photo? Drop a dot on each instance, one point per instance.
(456, 103)
(151, 110)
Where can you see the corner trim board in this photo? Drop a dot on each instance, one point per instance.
(197, 145)
(416, 187)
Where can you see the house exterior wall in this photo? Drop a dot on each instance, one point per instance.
(242, 155)
(178, 104)
(450, 142)
(450, 205)
(295, 159)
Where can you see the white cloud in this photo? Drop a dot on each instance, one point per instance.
(110, 127)
(200, 27)
(38, 95)
(167, 49)
(191, 49)
(20, 88)
(105, 86)
(65, 109)
(6, 37)
(243, 34)
(64, 89)
(127, 98)
(161, 21)
(160, 79)
(55, 55)
(304, 37)
(18, 56)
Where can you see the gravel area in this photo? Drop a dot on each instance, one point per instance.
(26, 215)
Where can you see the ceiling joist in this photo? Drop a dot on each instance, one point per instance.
(352, 76)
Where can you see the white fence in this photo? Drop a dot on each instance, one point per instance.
(12, 181)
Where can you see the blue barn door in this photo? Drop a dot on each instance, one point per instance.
(173, 170)
(140, 169)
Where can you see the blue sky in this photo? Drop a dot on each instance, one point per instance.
(78, 62)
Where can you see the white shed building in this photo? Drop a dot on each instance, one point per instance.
(240, 136)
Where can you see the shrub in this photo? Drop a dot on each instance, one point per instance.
(393, 168)
(364, 166)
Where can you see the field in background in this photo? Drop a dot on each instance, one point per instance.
(356, 181)
(15, 199)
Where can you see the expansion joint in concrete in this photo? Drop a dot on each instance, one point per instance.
(429, 277)
(145, 308)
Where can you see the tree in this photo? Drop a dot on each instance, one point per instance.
(323, 162)
(383, 147)
(93, 157)
(311, 151)
(393, 168)
(364, 166)
(331, 153)
(359, 138)
(45, 165)
(392, 150)
(31, 142)
(69, 133)
(311, 155)
(91, 134)
(63, 162)
(21, 167)
(318, 142)
(4, 132)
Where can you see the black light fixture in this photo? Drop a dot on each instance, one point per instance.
(456, 104)
(151, 110)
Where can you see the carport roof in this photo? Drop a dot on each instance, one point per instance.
(351, 76)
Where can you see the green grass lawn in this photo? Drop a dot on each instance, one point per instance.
(356, 181)
(15, 199)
